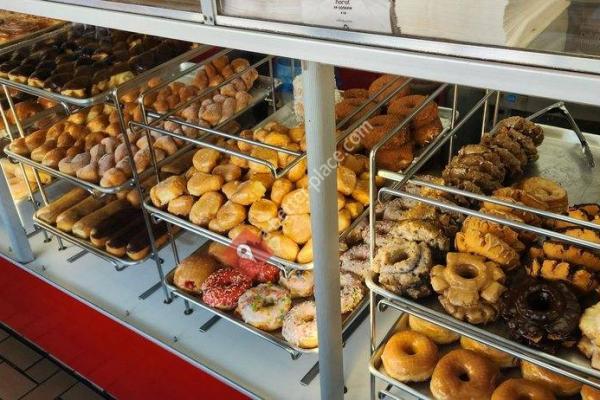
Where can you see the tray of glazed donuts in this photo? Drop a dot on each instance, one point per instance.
(112, 228)
(16, 27)
(519, 288)
(258, 297)
(219, 193)
(430, 362)
(79, 64)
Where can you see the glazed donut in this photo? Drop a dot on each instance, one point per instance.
(402, 107)
(351, 292)
(560, 385)
(489, 246)
(589, 393)
(511, 163)
(572, 254)
(525, 142)
(479, 161)
(384, 80)
(404, 267)
(542, 314)
(500, 358)
(521, 196)
(546, 191)
(514, 388)
(507, 142)
(379, 126)
(300, 325)
(395, 158)
(526, 127)
(223, 288)
(299, 283)
(480, 150)
(580, 278)
(508, 235)
(356, 260)
(427, 132)
(409, 356)
(463, 375)
(264, 306)
(484, 180)
(434, 332)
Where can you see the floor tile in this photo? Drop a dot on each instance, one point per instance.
(52, 388)
(13, 384)
(81, 392)
(18, 354)
(42, 370)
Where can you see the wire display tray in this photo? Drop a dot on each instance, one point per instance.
(119, 263)
(275, 338)
(105, 96)
(582, 183)
(259, 93)
(27, 38)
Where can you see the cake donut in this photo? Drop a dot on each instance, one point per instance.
(300, 325)
(351, 292)
(384, 80)
(515, 388)
(264, 306)
(356, 260)
(464, 375)
(223, 288)
(299, 283)
(409, 356)
(379, 126)
(542, 314)
(403, 106)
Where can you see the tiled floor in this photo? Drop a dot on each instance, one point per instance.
(26, 373)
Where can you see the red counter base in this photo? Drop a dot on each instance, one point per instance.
(115, 358)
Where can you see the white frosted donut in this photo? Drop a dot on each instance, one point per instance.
(300, 325)
(351, 292)
(299, 283)
(264, 306)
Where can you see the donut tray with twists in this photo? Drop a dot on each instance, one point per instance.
(582, 182)
(275, 337)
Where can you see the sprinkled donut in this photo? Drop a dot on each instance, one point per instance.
(265, 306)
(299, 283)
(223, 288)
(351, 292)
(300, 325)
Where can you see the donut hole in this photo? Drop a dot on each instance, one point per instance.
(308, 318)
(539, 301)
(398, 256)
(467, 271)
(464, 376)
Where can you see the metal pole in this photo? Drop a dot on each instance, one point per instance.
(319, 87)
(485, 114)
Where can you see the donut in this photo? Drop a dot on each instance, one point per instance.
(542, 314)
(547, 191)
(395, 159)
(590, 328)
(403, 267)
(351, 292)
(463, 375)
(511, 162)
(507, 234)
(384, 80)
(577, 276)
(475, 174)
(427, 132)
(347, 106)
(377, 127)
(223, 288)
(403, 106)
(356, 260)
(526, 127)
(481, 150)
(489, 246)
(479, 161)
(409, 356)
(355, 94)
(583, 212)
(434, 332)
(572, 254)
(589, 393)
(500, 358)
(506, 141)
(515, 388)
(527, 217)
(300, 325)
(299, 283)
(521, 196)
(558, 384)
(258, 271)
(264, 306)
(382, 232)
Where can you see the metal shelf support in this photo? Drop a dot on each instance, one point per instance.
(319, 86)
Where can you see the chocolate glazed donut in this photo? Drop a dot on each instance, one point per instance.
(542, 314)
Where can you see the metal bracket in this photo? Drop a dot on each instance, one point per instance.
(77, 256)
(208, 324)
(150, 291)
(209, 11)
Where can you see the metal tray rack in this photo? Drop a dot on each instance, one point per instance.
(576, 170)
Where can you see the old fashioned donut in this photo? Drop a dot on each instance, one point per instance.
(379, 126)
(421, 231)
(489, 246)
(526, 144)
(560, 385)
(500, 358)
(434, 332)
(504, 140)
(300, 325)
(542, 314)
(427, 132)
(299, 283)
(264, 306)
(223, 288)
(403, 106)
(481, 163)
(547, 191)
(526, 127)
(351, 292)
(511, 163)
(404, 267)
(572, 254)
(409, 356)
(463, 375)
(356, 260)
(384, 80)
(484, 180)
(382, 233)
(515, 388)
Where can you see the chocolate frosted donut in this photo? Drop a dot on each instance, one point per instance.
(542, 314)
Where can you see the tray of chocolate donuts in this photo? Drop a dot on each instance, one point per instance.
(258, 297)
(114, 229)
(79, 64)
(430, 362)
(520, 275)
